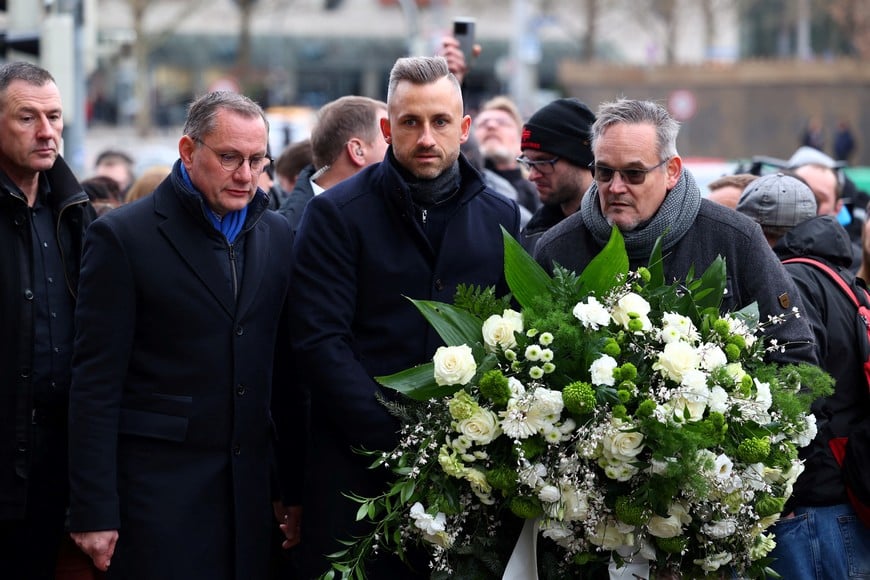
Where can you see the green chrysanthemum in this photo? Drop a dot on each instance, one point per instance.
(612, 348)
(525, 507)
(629, 512)
(503, 478)
(494, 386)
(578, 397)
(671, 545)
(769, 505)
(753, 450)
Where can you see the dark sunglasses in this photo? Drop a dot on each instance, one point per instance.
(604, 174)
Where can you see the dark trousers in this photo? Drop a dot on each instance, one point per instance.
(29, 546)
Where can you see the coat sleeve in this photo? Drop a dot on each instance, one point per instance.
(323, 303)
(104, 321)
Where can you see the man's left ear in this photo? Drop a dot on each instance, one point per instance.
(675, 167)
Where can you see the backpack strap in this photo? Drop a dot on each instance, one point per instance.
(835, 276)
(861, 302)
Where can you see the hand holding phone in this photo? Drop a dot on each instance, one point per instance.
(463, 31)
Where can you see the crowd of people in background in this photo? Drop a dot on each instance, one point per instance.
(189, 353)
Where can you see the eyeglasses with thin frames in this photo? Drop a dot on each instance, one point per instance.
(233, 161)
(544, 166)
(633, 176)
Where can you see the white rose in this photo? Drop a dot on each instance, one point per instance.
(675, 359)
(482, 427)
(576, 506)
(669, 527)
(607, 535)
(591, 314)
(720, 529)
(454, 365)
(631, 306)
(602, 370)
(498, 331)
(623, 446)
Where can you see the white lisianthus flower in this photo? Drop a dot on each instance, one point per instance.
(591, 314)
(432, 527)
(718, 400)
(482, 427)
(763, 396)
(722, 467)
(712, 356)
(532, 475)
(556, 531)
(454, 365)
(516, 387)
(498, 331)
(549, 494)
(808, 433)
(692, 396)
(763, 545)
(675, 359)
(720, 529)
(632, 306)
(602, 370)
(714, 561)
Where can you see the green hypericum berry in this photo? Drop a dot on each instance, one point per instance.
(525, 507)
(769, 505)
(753, 450)
(579, 398)
(671, 545)
(629, 512)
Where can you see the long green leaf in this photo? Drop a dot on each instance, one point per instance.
(524, 275)
(712, 283)
(418, 383)
(604, 270)
(455, 327)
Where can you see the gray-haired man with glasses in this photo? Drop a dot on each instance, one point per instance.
(642, 187)
(177, 323)
(556, 146)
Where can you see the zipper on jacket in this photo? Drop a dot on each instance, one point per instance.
(233, 272)
(424, 213)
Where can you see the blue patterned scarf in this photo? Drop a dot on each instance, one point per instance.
(231, 224)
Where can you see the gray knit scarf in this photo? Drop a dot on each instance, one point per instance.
(672, 220)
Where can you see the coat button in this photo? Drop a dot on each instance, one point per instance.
(237, 449)
(28, 294)
(241, 390)
(240, 331)
(439, 285)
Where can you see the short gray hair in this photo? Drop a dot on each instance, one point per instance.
(634, 112)
(202, 114)
(341, 120)
(420, 70)
(22, 71)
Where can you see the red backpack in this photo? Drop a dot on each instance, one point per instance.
(853, 452)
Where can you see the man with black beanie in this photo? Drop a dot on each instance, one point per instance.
(556, 146)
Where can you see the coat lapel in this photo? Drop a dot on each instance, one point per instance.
(257, 248)
(194, 248)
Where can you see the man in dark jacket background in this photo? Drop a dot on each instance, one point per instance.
(345, 140)
(557, 152)
(176, 327)
(44, 214)
(818, 512)
(414, 226)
